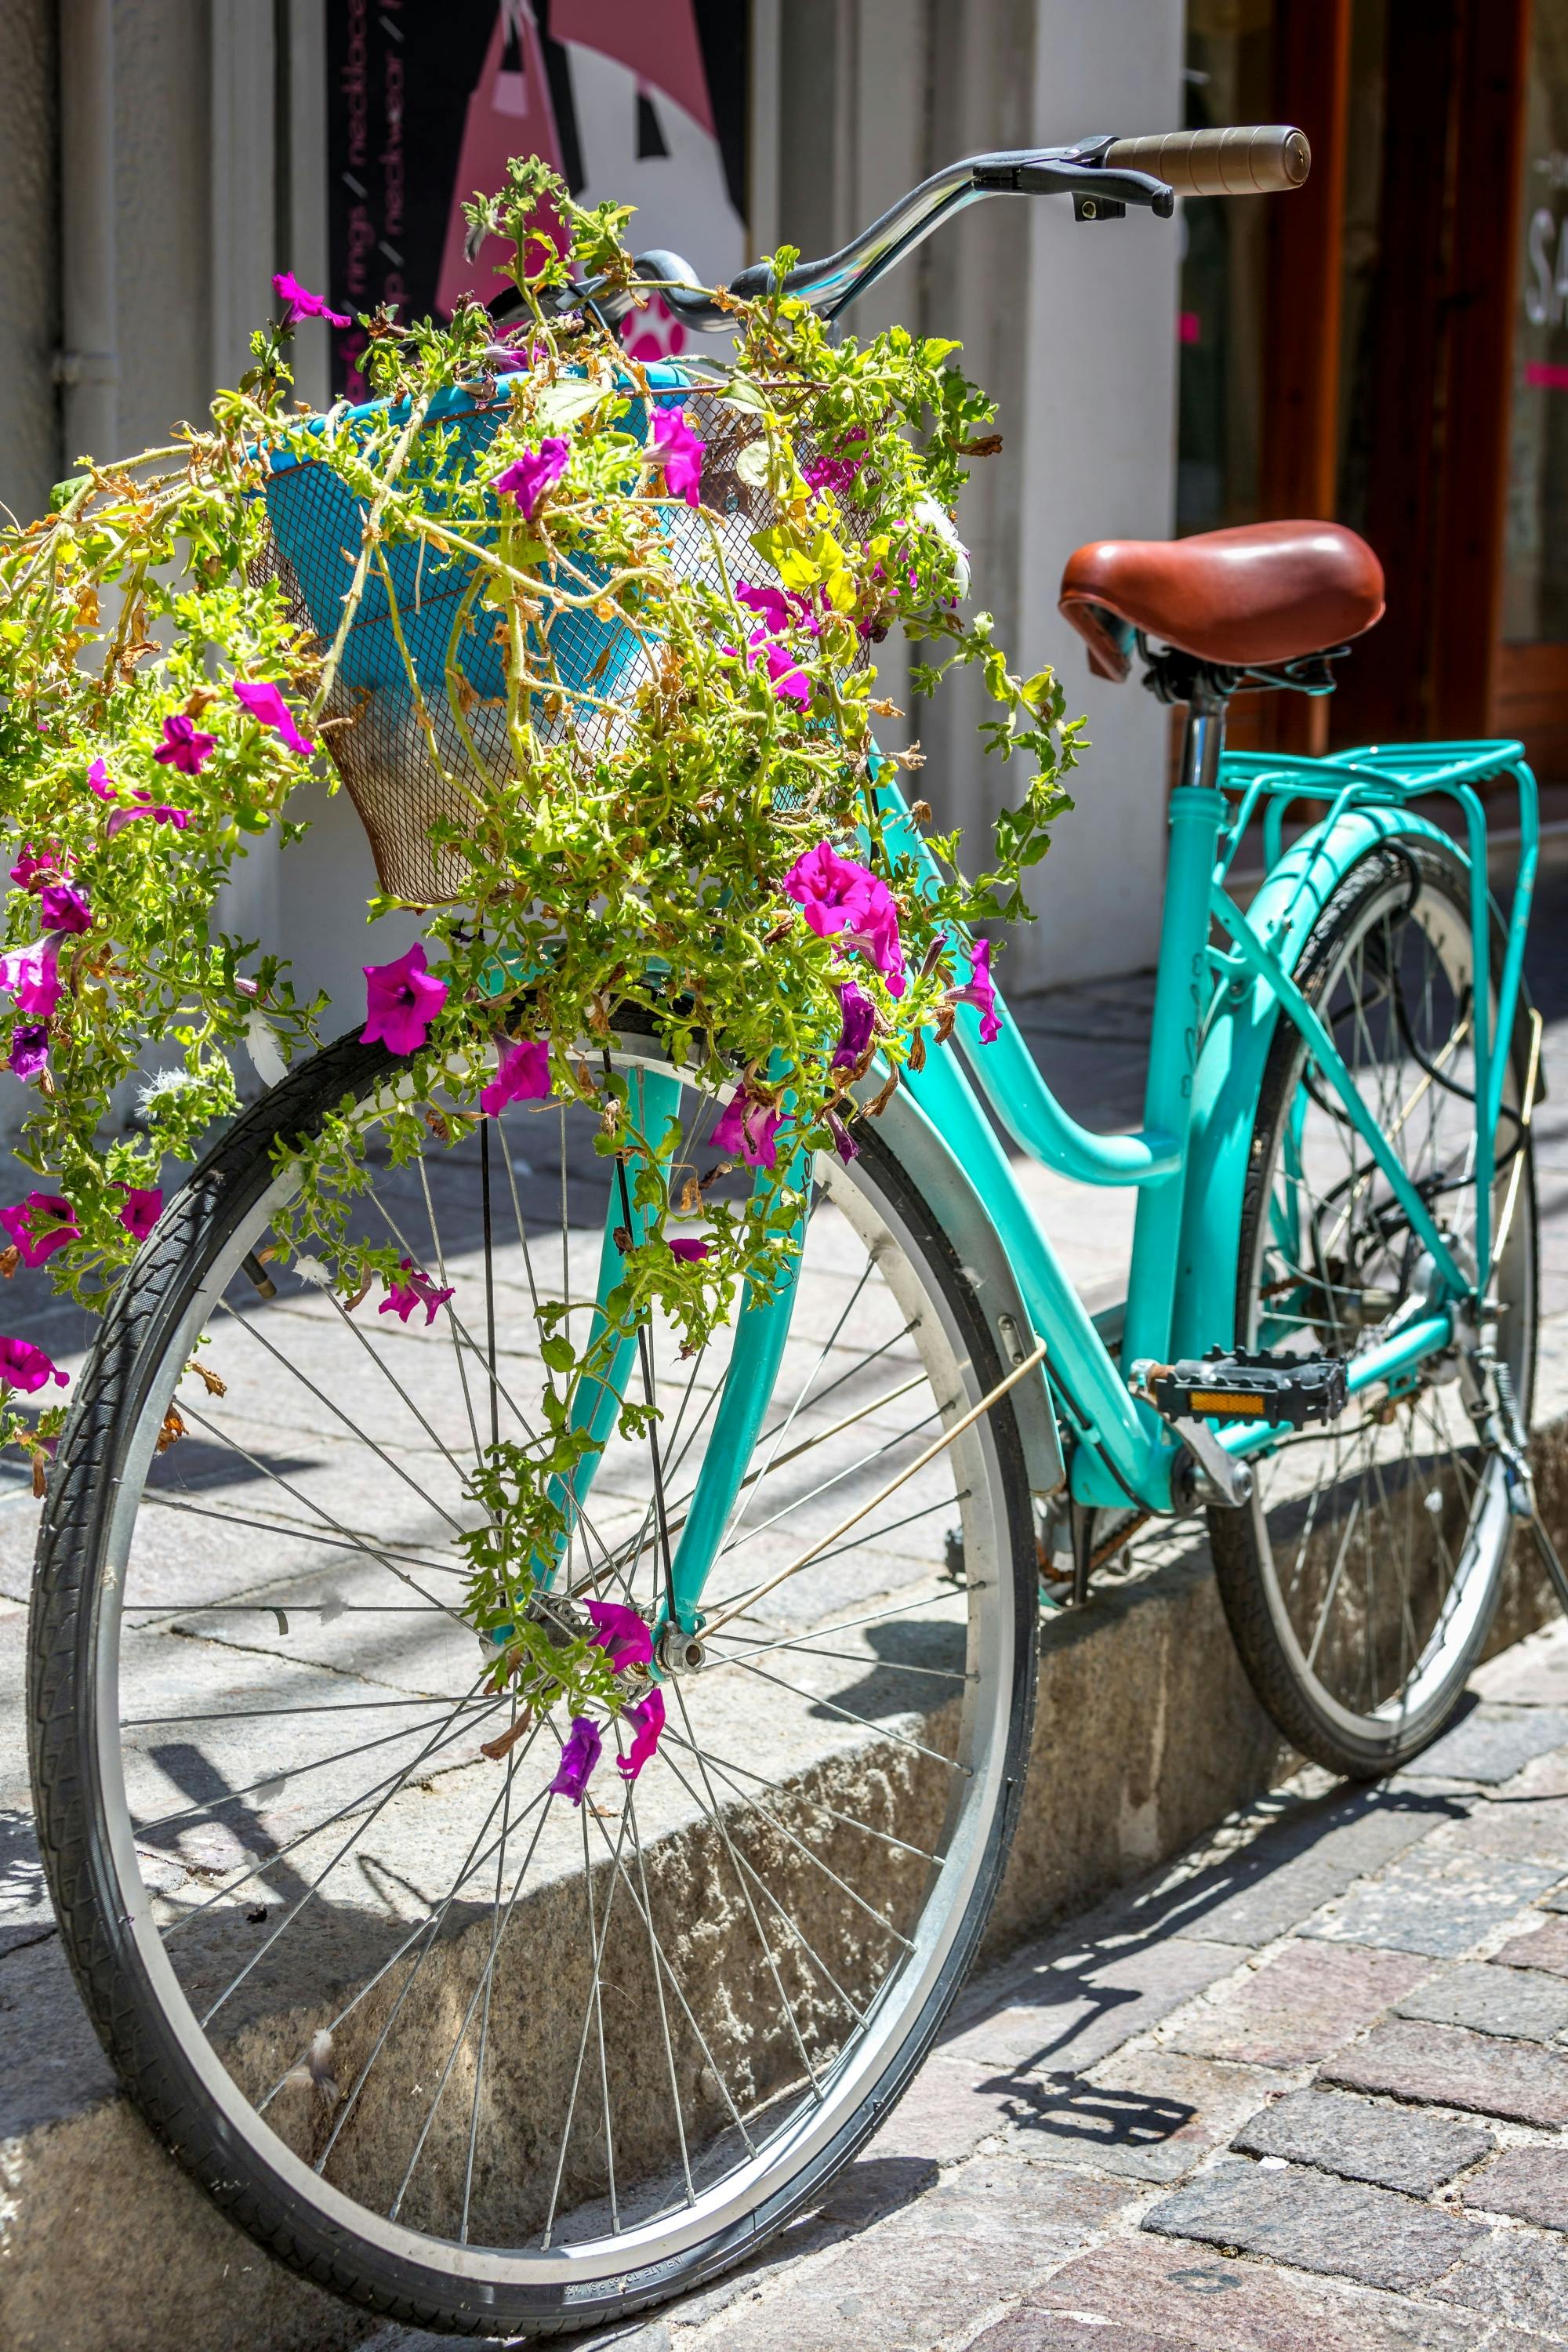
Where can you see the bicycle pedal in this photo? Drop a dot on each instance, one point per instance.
(1287, 1390)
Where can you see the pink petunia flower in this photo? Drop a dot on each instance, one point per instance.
(522, 1075)
(268, 707)
(401, 1000)
(160, 811)
(981, 990)
(790, 682)
(536, 471)
(42, 1223)
(690, 1252)
(29, 1048)
(302, 304)
(415, 1290)
(859, 1024)
(579, 1755)
(680, 452)
(184, 746)
(747, 1130)
(31, 871)
(844, 1143)
(99, 780)
(621, 1634)
(24, 1367)
(646, 1719)
(143, 1207)
(31, 975)
(64, 909)
(842, 898)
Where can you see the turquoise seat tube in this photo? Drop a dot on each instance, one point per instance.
(1198, 813)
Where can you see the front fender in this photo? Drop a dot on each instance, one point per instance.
(1230, 1074)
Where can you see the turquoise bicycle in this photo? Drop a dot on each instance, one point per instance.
(483, 2059)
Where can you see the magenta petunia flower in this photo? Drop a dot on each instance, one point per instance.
(401, 1000)
(843, 899)
(31, 872)
(981, 990)
(64, 909)
(778, 608)
(790, 682)
(747, 1130)
(29, 1048)
(844, 1143)
(680, 451)
(184, 746)
(143, 1207)
(859, 1023)
(522, 1075)
(23, 1366)
(31, 975)
(42, 1223)
(647, 1720)
(579, 1755)
(690, 1252)
(621, 1634)
(160, 811)
(536, 471)
(268, 707)
(99, 780)
(415, 1290)
(302, 304)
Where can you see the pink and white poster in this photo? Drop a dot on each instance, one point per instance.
(641, 101)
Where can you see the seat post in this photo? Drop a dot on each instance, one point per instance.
(1196, 813)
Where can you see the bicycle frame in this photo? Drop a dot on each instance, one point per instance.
(1216, 1009)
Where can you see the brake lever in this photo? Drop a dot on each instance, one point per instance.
(1098, 194)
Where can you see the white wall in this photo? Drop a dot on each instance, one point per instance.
(1071, 329)
(1100, 463)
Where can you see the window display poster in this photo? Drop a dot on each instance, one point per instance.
(638, 102)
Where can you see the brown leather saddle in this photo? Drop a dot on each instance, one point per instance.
(1252, 600)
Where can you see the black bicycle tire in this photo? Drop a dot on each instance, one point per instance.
(1237, 1566)
(152, 2065)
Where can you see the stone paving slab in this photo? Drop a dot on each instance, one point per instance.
(1545, 1947)
(1446, 2066)
(1389, 2147)
(1238, 2306)
(1301, 2004)
(1515, 2275)
(1150, 2119)
(1317, 2224)
(1068, 2013)
(1311, 1853)
(1528, 2004)
(1432, 1902)
(1530, 2183)
(1491, 1744)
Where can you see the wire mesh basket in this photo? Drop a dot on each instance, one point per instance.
(404, 759)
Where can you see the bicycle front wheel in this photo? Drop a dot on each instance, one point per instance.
(472, 2055)
(1361, 1582)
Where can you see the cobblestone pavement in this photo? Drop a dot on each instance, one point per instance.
(1304, 2090)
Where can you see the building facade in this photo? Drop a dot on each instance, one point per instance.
(164, 157)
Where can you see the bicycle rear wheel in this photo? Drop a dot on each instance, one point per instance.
(475, 2059)
(1361, 1582)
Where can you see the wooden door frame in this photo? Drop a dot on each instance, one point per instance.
(1453, 154)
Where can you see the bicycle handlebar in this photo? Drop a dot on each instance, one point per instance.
(1260, 161)
(1102, 177)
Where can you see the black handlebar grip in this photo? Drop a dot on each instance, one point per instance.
(1252, 159)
